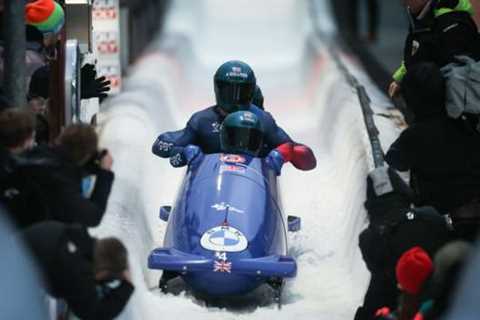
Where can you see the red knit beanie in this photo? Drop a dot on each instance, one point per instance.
(413, 269)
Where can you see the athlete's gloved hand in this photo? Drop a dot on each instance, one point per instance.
(275, 161)
(299, 155)
(303, 157)
(286, 150)
(190, 155)
(193, 154)
(277, 157)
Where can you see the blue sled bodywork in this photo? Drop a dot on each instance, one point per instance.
(226, 234)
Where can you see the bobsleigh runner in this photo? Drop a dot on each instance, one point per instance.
(226, 234)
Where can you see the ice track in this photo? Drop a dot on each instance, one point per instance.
(309, 98)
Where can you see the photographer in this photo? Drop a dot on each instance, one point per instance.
(73, 158)
(90, 275)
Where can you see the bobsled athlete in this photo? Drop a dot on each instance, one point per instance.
(258, 97)
(235, 86)
(242, 133)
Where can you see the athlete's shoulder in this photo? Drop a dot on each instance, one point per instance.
(206, 114)
(259, 112)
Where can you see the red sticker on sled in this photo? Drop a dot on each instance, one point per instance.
(232, 158)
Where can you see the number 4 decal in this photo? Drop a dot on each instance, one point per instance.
(221, 256)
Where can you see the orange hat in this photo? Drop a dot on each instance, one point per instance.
(413, 269)
(46, 15)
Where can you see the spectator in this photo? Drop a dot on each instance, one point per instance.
(66, 257)
(442, 154)
(449, 263)
(34, 54)
(394, 228)
(439, 31)
(38, 98)
(19, 277)
(48, 17)
(465, 305)
(111, 259)
(44, 19)
(413, 270)
(74, 157)
(17, 191)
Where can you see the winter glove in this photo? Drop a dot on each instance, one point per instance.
(190, 155)
(275, 160)
(303, 157)
(286, 150)
(91, 86)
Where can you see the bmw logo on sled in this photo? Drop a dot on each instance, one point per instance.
(226, 234)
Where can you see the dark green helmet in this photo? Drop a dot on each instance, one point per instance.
(241, 133)
(234, 84)
(258, 97)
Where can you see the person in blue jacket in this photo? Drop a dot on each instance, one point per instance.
(235, 85)
(242, 133)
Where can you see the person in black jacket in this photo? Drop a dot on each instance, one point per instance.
(65, 254)
(18, 193)
(441, 153)
(38, 99)
(74, 157)
(394, 228)
(439, 31)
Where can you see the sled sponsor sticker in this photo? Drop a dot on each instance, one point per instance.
(221, 256)
(222, 206)
(224, 239)
(231, 168)
(232, 158)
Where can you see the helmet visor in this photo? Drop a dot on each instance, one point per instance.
(234, 94)
(243, 140)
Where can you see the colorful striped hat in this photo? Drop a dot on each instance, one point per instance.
(46, 15)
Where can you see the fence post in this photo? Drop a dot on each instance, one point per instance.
(15, 44)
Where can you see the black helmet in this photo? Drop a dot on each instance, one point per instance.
(234, 84)
(241, 132)
(258, 97)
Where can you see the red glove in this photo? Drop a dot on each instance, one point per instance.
(303, 158)
(286, 150)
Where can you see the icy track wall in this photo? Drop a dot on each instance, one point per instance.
(314, 104)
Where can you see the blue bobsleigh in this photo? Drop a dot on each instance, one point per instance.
(226, 234)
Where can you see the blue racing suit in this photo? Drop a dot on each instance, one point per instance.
(203, 130)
